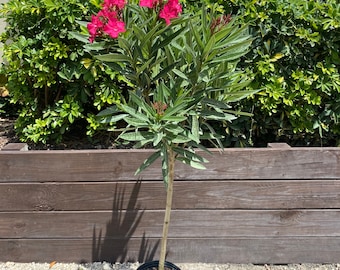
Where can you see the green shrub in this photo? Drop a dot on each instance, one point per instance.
(57, 84)
(295, 60)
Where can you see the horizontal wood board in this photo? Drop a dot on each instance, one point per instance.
(199, 224)
(118, 165)
(228, 194)
(264, 250)
(275, 205)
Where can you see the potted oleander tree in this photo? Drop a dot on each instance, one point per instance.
(182, 76)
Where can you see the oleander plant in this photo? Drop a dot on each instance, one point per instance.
(182, 76)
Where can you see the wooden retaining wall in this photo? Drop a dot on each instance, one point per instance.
(265, 205)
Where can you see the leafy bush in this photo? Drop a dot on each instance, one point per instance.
(57, 84)
(295, 60)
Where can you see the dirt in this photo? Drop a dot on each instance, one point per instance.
(7, 133)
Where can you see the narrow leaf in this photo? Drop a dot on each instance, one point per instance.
(208, 48)
(108, 111)
(113, 57)
(135, 136)
(134, 113)
(195, 128)
(80, 37)
(180, 74)
(113, 118)
(148, 162)
(195, 165)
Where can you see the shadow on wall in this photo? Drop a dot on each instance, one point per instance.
(113, 247)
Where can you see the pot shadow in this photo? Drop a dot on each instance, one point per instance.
(113, 247)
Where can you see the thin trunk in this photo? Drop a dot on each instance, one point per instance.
(167, 208)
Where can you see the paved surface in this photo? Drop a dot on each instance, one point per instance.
(134, 266)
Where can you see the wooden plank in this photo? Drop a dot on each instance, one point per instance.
(80, 196)
(278, 145)
(15, 147)
(114, 165)
(264, 250)
(199, 223)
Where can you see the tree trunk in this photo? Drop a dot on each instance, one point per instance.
(168, 207)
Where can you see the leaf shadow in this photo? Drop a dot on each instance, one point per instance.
(114, 245)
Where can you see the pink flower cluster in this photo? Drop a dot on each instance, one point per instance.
(108, 20)
(170, 10)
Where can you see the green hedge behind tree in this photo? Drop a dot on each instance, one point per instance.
(58, 86)
(295, 61)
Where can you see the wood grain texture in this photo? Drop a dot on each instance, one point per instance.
(276, 205)
(118, 165)
(87, 196)
(188, 223)
(264, 250)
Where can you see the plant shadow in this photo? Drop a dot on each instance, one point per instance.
(113, 247)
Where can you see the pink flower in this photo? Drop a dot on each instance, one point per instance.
(149, 3)
(106, 15)
(114, 4)
(114, 27)
(170, 11)
(95, 27)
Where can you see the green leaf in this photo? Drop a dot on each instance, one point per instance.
(180, 74)
(177, 119)
(124, 44)
(215, 137)
(146, 65)
(135, 122)
(132, 112)
(158, 138)
(167, 40)
(138, 32)
(95, 46)
(190, 154)
(150, 35)
(174, 129)
(196, 36)
(142, 104)
(224, 32)
(164, 71)
(80, 37)
(195, 128)
(181, 139)
(215, 103)
(193, 164)
(180, 107)
(238, 95)
(165, 167)
(114, 57)
(81, 23)
(208, 47)
(109, 111)
(136, 135)
(148, 162)
(213, 115)
(113, 118)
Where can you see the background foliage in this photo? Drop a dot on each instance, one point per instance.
(57, 85)
(294, 59)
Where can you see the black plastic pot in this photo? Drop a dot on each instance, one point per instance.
(154, 266)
